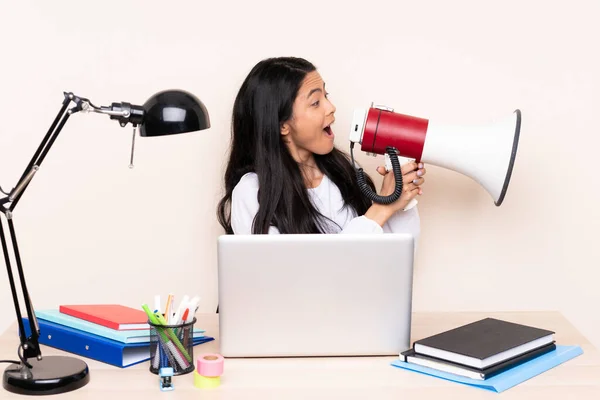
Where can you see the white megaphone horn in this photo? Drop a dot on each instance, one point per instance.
(484, 153)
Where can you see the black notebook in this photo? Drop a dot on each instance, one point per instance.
(475, 373)
(484, 343)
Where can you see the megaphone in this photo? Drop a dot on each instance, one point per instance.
(485, 153)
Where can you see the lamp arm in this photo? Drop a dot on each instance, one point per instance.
(124, 113)
(29, 346)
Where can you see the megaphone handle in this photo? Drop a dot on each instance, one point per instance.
(410, 205)
(388, 167)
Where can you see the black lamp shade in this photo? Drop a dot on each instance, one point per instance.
(173, 111)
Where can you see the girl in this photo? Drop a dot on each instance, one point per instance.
(284, 174)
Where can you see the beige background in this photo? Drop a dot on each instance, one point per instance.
(92, 230)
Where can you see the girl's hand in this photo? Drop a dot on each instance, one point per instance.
(412, 178)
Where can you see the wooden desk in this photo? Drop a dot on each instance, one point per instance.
(340, 377)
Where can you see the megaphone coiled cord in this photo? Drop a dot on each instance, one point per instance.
(366, 189)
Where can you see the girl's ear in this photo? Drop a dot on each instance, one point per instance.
(285, 129)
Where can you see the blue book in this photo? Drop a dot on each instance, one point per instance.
(93, 346)
(126, 336)
(507, 379)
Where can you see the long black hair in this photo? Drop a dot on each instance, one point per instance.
(264, 101)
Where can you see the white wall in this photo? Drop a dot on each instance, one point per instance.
(92, 230)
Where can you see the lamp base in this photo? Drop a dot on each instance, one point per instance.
(50, 375)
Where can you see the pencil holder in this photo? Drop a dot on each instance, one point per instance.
(172, 346)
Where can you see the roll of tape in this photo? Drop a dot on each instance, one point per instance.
(210, 365)
(206, 382)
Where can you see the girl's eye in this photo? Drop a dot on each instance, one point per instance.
(316, 103)
(326, 95)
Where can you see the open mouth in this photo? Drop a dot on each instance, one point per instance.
(328, 131)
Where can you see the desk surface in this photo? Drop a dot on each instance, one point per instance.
(340, 377)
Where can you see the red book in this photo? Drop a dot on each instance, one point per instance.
(112, 316)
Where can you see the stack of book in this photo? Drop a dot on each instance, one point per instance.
(482, 349)
(113, 334)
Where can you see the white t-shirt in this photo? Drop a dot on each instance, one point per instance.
(328, 200)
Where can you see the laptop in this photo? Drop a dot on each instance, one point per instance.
(305, 295)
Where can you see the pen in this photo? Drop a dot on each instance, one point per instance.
(193, 306)
(168, 308)
(186, 329)
(157, 302)
(177, 317)
(163, 358)
(151, 316)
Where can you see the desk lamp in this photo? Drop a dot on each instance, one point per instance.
(165, 113)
